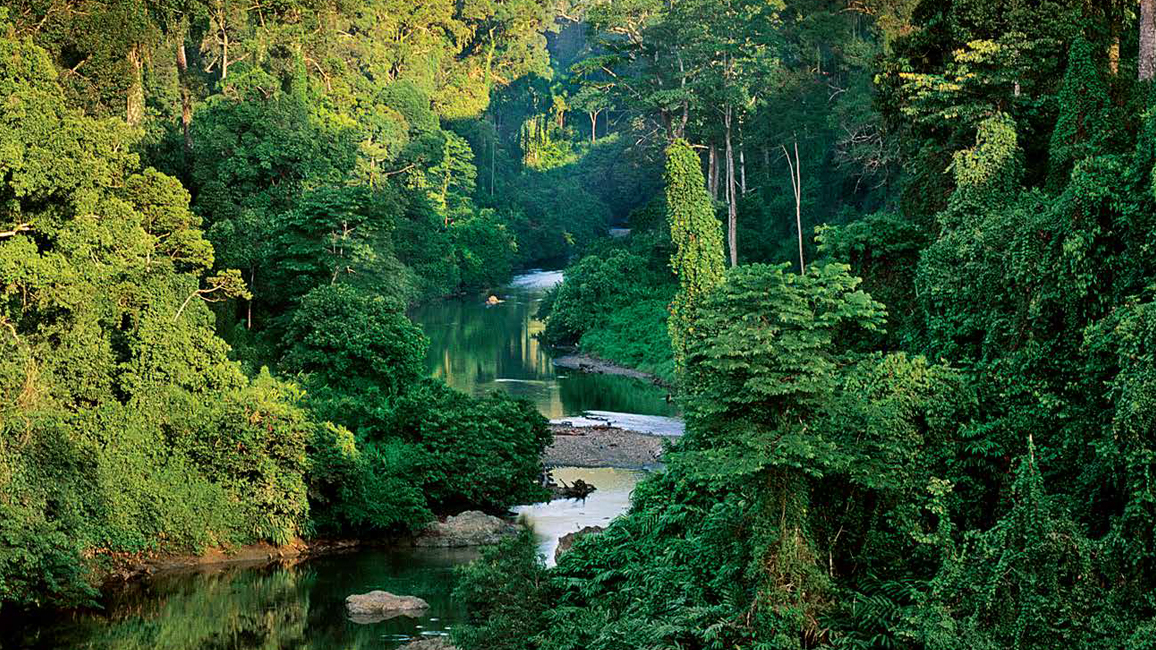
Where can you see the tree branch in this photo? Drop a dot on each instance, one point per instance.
(24, 227)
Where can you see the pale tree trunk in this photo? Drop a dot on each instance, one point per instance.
(743, 171)
(1114, 48)
(186, 98)
(795, 169)
(134, 105)
(249, 302)
(1147, 56)
(593, 127)
(732, 208)
(712, 172)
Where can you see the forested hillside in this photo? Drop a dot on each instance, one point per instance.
(213, 216)
(893, 257)
(915, 357)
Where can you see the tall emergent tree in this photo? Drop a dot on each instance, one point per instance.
(697, 236)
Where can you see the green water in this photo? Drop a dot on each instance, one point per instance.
(260, 607)
(479, 348)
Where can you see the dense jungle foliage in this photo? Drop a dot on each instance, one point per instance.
(895, 255)
(213, 217)
(925, 420)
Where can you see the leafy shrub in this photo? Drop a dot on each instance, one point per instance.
(635, 336)
(347, 336)
(506, 593)
(480, 451)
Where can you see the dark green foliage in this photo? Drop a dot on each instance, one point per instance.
(505, 593)
(350, 338)
(1028, 582)
(478, 451)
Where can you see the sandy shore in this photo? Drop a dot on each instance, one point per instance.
(602, 447)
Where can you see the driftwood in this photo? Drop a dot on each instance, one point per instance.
(578, 490)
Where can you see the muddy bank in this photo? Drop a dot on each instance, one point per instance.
(594, 365)
(125, 568)
(602, 446)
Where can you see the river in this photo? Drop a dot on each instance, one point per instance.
(300, 604)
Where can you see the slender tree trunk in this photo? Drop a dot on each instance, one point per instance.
(795, 169)
(593, 127)
(742, 171)
(1147, 57)
(134, 105)
(224, 41)
(249, 302)
(1114, 49)
(186, 97)
(712, 172)
(732, 208)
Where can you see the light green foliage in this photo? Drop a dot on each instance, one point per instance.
(124, 426)
(697, 237)
(614, 304)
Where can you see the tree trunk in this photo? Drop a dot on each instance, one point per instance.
(249, 302)
(795, 169)
(1147, 56)
(186, 98)
(712, 172)
(134, 105)
(224, 41)
(743, 171)
(593, 127)
(732, 208)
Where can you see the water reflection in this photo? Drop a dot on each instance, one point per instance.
(249, 608)
(478, 348)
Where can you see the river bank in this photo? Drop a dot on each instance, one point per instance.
(602, 446)
(588, 363)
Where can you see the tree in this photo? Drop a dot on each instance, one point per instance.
(698, 256)
(1147, 62)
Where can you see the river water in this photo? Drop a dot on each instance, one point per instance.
(474, 347)
(480, 348)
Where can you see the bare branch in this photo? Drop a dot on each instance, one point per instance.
(24, 227)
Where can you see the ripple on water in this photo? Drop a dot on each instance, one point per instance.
(536, 280)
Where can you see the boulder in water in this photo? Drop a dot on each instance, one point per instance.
(377, 606)
(567, 540)
(470, 528)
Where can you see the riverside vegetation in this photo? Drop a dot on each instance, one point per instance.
(910, 320)
(928, 424)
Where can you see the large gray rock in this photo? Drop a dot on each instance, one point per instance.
(567, 540)
(377, 606)
(470, 528)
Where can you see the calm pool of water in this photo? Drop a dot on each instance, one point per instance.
(479, 348)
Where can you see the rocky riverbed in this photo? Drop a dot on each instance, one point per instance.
(602, 446)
